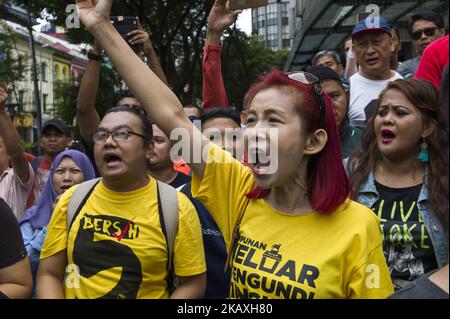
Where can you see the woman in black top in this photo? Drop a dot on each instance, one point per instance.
(15, 273)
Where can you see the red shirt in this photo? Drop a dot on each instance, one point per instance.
(433, 62)
(214, 94)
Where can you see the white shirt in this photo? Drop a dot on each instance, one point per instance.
(363, 92)
(15, 192)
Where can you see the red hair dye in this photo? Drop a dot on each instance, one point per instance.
(328, 185)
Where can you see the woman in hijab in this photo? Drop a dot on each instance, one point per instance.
(69, 168)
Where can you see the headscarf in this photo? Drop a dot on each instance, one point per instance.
(39, 215)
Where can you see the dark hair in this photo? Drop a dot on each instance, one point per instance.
(331, 53)
(146, 124)
(394, 28)
(192, 106)
(429, 16)
(125, 94)
(425, 98)
(444, 93)
(327, 182)
(220, 112)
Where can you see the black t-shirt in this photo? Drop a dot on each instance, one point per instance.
(180, 180)
(406, 243)
(12, 249)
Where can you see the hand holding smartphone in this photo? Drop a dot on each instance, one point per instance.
(124, 25)
(246, 4)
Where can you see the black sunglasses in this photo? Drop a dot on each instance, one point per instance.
(310, 79)
(429, 32)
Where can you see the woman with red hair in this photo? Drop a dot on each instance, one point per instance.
(287, 222)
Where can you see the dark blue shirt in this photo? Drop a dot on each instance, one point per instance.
(217, 281)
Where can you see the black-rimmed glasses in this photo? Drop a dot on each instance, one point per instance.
(308, 78)
(118, 135)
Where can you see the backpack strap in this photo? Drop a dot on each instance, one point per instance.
(78, 199)
(168, 216)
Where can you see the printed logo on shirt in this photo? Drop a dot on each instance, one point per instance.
(93, 253)
(111, 226)
(273, 275)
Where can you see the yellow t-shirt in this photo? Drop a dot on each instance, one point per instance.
(286, 256)
(117, 246)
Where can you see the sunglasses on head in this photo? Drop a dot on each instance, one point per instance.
(429, 32)
(310, 79)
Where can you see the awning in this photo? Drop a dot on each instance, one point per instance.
(331, 22)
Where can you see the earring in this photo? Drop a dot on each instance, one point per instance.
(424, 155)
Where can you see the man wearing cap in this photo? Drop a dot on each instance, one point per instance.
(16, 174)
(373, 47)
(55, 138)
(333, 87)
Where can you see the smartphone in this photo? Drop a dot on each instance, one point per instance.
(125, 25)
(246, 4)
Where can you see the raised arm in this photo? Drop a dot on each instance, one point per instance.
(140, 37)
(11, 140)
(220, 19)
(87, 116)
(160, 103)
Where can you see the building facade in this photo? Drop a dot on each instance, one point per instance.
(57, 61)
(326, 24)
(275, 23)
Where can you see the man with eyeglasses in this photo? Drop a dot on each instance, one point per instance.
(424, 28)
(116, 241)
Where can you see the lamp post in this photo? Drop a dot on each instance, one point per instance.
(34, 75)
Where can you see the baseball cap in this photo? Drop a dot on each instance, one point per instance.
(58, 124)
(371, 24)
(324, 73)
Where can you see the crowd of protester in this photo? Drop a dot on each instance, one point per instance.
(354, 204)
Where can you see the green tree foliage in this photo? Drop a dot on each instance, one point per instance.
(177, 30)
(244, 59)
(65, 94)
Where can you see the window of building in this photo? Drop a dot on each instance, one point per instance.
(56, 73)
(43, 72)
(65, 74)
(44, 102)
(21, 100)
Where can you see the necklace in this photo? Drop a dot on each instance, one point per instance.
(415, 178)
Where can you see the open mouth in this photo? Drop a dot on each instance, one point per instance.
(372, 61)
(387, 136)
(112, 159)
(259, 162)
(66, 187)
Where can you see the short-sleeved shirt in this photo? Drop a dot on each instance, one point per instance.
(12, 249)
(117, 246)
(42, 174)
(14, 191)
(292, 256)
(363, 94)
(407, 245)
